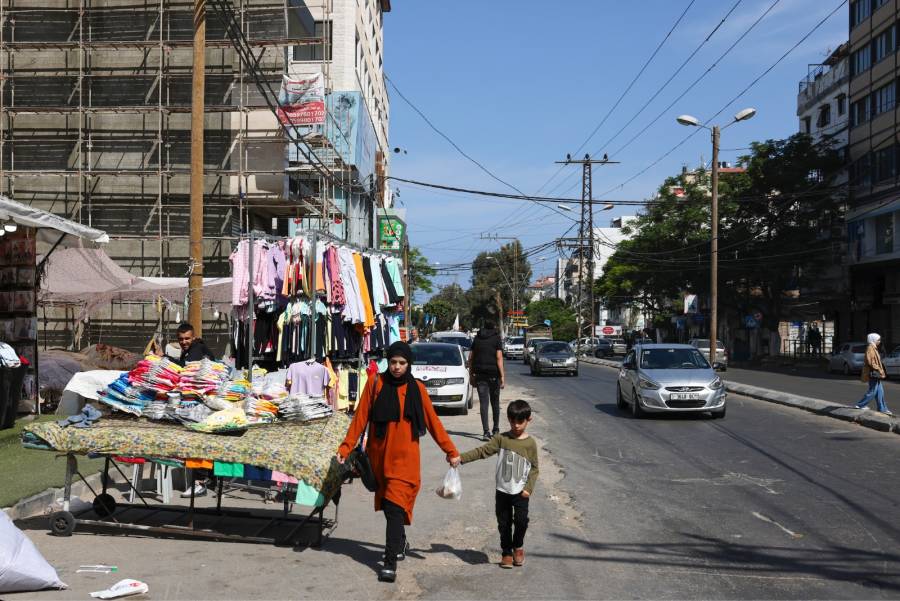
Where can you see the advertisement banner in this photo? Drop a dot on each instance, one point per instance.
(391, 231)
(690, 304)
(302, 100)
(607, 330)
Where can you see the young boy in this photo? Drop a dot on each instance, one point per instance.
(517, 471)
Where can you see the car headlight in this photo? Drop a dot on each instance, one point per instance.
(545, 361)
(648, 384)
(715, 384)
(452, 381)
(570, 361)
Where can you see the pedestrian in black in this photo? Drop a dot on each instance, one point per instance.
(487, 375)
(815, 340)
(192, 348)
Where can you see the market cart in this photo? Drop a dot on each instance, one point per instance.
(304, 450)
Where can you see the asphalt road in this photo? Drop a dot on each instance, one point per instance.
(770, 502)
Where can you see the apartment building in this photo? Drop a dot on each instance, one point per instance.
(874, 190)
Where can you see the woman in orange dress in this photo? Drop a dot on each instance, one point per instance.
(398, 411)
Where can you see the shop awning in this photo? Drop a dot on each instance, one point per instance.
(47, 223)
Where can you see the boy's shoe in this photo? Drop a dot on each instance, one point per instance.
(199, 491)
(506, 562)
(387, 575)
(889, 413)
(519, 557)
(486, 436)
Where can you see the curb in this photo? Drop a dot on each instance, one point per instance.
(44, 503)
(868, 419)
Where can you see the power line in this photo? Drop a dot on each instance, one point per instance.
(622, 96)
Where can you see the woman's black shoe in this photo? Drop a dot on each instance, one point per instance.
(387, 575)
(403, 551)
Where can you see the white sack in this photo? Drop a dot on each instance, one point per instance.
(22, 567)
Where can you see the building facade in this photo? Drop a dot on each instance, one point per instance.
(873, 254)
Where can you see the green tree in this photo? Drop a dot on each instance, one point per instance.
(454, 297)
(420, 273)
(773, 235)
(443, 310)
(499, 280)
(562, 317)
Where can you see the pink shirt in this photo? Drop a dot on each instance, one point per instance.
(308, 378)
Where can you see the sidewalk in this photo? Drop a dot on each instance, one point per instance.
(830, 408)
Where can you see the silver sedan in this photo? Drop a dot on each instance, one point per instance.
(672, 378)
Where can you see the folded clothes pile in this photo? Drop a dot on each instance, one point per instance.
(121, 394)
(155, 374)
(234, 391)
(260, 411)
(202, 378)
(300, 407)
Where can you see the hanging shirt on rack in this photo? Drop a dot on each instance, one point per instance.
(365, 298)
(307, 377)
(393, 265)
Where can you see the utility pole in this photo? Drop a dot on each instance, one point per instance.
(195, 273)
(585, 315)
(714, 250)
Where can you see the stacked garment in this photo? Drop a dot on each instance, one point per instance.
(301, 407)
(202, 378)
(124, 396)
(156, 374)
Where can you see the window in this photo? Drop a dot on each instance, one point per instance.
(316, 51)
(861, 60)
(884, 234)
(807, 125)
(876, 4)
(861, 171)
(859, 11)
(841, 104)
(884, 98)
(859, 111)
(885, 164)
(884, 44)
(824, 115)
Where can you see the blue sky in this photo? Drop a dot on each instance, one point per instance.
(517, 85)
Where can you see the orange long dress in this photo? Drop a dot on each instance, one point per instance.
(395, 458)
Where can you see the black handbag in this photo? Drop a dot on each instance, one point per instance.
(360, 464)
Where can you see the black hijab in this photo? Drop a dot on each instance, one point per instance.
(386, 407)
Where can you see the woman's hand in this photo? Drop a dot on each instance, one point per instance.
(526, 494)
(340, 459)
(454, 461)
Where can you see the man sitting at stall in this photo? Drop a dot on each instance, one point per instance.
(192, 348)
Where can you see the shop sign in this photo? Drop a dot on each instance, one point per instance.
(302, 100)
(391, 231)
(607, 330)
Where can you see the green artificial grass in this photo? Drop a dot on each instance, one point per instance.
(25, 472)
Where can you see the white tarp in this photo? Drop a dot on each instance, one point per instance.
(88, 277)
(42, 220)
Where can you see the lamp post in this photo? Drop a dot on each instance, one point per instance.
(690, 121)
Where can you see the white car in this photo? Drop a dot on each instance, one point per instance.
(702, 345)
(442, 369)
(453, 337)
(514, 347)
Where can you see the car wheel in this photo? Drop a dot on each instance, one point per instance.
(464, 410)
(620, 402)
(719, 414)
(636, 411)
(846, 370)
(537, 372)
(575, 373)
(471, 402)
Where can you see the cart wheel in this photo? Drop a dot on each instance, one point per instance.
(62, 523)
(104, 505)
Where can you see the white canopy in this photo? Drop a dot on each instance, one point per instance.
(89, 277)
(42, 220)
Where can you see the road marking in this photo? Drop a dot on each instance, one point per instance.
(790, 533)
(732, 478)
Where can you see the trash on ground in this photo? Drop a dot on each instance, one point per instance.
(22, 567)
(123, 588)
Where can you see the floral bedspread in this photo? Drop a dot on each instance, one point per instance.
(304, 450)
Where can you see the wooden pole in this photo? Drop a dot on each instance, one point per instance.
(195, 279)
(714, 251)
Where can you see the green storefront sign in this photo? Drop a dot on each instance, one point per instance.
(391, 231)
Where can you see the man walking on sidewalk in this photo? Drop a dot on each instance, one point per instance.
(487, 375)
(873, 373)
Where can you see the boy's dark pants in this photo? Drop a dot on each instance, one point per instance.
(512, 521)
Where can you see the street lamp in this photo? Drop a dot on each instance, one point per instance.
(563, 207)
(692, 121)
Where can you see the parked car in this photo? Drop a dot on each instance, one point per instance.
(848, 358)
(442, 368)
(585, 346)
(891, 362)
(721, 360)
(619, 346)
(514, 347)
(554, 357)
(672, 378)
(529, 349)
(604, 348)
(460, 339)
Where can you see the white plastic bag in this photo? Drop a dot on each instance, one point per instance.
(451, 488)
(22, 567)
(123, 588)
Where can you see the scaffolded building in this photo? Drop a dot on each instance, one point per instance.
(95, 125)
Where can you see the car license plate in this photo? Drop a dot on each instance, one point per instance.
(432, 391)
(684, 396)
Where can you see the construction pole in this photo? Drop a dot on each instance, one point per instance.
(407, 317)
(195, 274)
